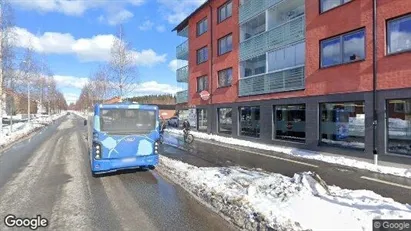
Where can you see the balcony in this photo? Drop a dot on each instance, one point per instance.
(275, 38)
(252, 8)
(182, 74)
(182, 51)
(280, 81)
(182, 97)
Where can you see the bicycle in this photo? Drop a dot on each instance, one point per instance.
(188, 138)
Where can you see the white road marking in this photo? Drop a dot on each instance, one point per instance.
(386, 182)
(266, 155)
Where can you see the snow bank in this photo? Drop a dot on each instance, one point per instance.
(23, 129)
(255, 200)
(303, 154)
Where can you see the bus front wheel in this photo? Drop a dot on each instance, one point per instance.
(151, 167)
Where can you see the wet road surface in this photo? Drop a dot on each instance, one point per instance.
(206, 153)
(48, 174)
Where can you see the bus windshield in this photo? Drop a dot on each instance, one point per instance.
(127, 121)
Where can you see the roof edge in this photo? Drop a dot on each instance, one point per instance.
(183, 23)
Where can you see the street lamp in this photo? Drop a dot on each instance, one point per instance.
(28, 88)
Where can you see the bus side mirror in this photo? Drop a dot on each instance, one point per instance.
(85, 122)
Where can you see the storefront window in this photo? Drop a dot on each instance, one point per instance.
(399, 126)
(343, 124)
(224, 120)
(250, 121)
(202, 119)
(289, 122)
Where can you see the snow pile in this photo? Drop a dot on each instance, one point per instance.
(398, 123)
(255, 200)
(23, 129)
(344, 143)
(340, 160)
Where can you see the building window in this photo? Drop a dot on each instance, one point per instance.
(345, 48)
(399, 126)
(252, 27)
(342, 124)
(225, 44)
(225, 123)
(202, 119)
(289, 122)
(330, 4)
(399, 35)
(202, 83)
(225, 77)
(225, 11)
(288, 57)
(202, 55)
(254, 66)
(202, 27)
(250, 121)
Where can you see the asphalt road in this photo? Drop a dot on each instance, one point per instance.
(205, 153)
(48, 174)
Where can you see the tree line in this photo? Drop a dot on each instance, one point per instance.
(25, 78)
(116, 78)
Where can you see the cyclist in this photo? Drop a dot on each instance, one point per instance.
(163, 127)
(186, 127)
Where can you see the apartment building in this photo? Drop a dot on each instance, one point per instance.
(306, 74)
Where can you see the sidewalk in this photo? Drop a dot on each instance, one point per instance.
(22, 129)
(349, 160)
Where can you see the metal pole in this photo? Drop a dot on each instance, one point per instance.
(28, 100)
(375, 116)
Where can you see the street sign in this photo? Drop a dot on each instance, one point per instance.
(205, 95)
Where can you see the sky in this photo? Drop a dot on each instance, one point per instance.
(74, 37)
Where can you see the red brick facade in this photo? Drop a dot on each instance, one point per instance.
(230, 59)
(394, 71)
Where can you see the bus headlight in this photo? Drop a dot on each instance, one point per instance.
(156, 147)
(97, 149)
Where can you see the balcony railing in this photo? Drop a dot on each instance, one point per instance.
(253, 8)
(285, 80)
(182, 74)
(273, 39)
(182, 97)
(182, 51)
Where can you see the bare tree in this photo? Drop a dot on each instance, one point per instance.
(100, 85)
(29, 68)
(123, 72)
(83, 103)
(6, 52)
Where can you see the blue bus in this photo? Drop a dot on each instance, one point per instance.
(123, 136)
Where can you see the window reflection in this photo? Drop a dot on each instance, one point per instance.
(202, 119)
(250, 121)
(331, 52)
(224, 120)
(399, 34)
(289, 122)
(346, 48)
(399, 126)
(343, 124)
(353, 47)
